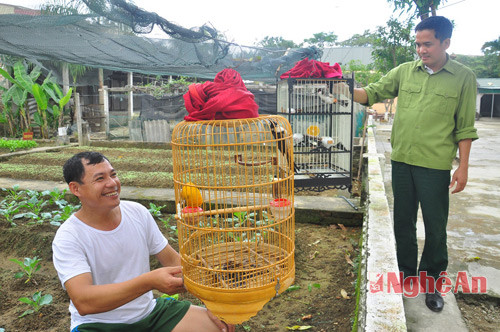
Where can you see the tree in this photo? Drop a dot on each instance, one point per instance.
(486, 66)
(423, 7)
(481, 65)
(63, 7)
(366, 39)
(365, 74)
(393, 45)
(492, 47)
(322, 40)
(491, 52)
(48, 95)
(277, 42)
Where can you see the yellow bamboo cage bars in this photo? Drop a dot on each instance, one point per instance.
(234, 193)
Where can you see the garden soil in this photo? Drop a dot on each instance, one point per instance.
(325, 256)
(325, 298)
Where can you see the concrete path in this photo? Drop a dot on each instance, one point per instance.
(308, 209)
(473, 231)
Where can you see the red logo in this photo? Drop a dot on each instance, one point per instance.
(412, 286)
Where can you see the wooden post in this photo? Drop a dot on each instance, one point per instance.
(78, 119)
(65, 80)
(102, 99)
(130, 95)
(101, 84)
(106, 110)
(65, 77)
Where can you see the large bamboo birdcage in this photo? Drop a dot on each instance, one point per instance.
(234, 193)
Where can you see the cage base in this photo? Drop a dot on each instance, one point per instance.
(237, 306)
(236, 294)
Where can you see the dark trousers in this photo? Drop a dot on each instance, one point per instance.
(413, 186)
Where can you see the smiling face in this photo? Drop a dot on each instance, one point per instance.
(99, 188)
(431, 50)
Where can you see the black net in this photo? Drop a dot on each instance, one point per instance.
(112, 37)
(142, 21)
(87, 40)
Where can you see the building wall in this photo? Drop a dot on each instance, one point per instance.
(343, 55)
(486, 110)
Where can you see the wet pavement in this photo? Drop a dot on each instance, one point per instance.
(474, 219)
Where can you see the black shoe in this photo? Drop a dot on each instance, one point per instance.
(434, 301)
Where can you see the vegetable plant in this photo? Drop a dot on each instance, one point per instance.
(28, 266)
(13, 193)
(315, 285)
(8, 211)
(36, 302)
(14, 145)
(34, 205)
(155, 210)
(166, 223)
(56, 197)
(60, 216)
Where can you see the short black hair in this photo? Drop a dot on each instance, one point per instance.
(442, 27)
(74, 170)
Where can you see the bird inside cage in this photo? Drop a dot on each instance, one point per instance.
(329, 98)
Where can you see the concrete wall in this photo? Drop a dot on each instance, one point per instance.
(379, 310)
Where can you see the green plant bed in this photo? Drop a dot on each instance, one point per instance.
(140, 167)
(136, 167)
(12, 145)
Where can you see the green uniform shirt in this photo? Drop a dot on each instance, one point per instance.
(434, 111)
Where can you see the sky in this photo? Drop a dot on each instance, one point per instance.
(245, 23)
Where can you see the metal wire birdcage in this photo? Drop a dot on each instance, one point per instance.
(234, 193)
(322, 121)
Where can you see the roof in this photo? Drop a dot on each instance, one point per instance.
(488, 85)
(343, 55)
(11, 9)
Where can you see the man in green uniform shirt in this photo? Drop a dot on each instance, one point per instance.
(435, 116)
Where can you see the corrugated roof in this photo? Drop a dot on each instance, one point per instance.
(488, 85)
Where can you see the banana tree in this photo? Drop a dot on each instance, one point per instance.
(44, 107)
(14, 99)
(7, 117)
(57, 95)
(23, 85)
(42, 102)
